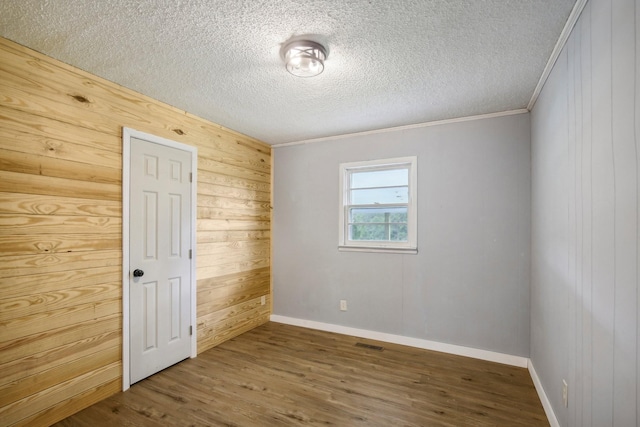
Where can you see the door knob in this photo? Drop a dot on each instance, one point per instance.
(138, 273)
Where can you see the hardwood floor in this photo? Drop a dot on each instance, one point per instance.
(280, 375)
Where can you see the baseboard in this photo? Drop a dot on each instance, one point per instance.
(507, 359)
(546, 404)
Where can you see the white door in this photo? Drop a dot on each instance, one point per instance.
(159, 257)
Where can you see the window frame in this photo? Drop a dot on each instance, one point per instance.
(411, 245)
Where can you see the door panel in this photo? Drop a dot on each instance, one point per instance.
(174, 286)
(149, 219)
(175, 222)
(149, 310)
(160, 239)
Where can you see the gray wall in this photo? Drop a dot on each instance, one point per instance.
(584, 282)
(469, 283)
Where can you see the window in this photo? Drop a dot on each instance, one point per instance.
(378, 205)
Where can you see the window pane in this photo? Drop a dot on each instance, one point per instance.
(378, 215)
(380, 196)
(398, 232)
(383, 178)
(367, 232)
(378, 232)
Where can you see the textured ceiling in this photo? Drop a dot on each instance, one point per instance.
(390, 62)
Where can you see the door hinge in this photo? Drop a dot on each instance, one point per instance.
(190, 253)
(190, 176)
(190, 330)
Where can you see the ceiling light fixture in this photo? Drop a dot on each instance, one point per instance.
(304, 58)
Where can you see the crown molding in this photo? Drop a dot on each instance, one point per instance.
(406, 127)
(562, 41)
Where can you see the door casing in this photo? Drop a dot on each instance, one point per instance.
(127, 134)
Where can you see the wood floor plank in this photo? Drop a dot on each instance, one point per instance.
(288, 376)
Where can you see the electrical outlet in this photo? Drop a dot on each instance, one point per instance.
(565, 394)
(263, 300)
(343, 305)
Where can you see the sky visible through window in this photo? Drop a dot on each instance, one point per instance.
(378, 205)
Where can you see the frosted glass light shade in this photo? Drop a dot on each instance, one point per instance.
(305, 58)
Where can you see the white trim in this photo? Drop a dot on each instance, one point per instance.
(562, 40)
(126, 182)
(127, 134)
(475, 353)
(411, 251)
(406, 127)
(546, 404)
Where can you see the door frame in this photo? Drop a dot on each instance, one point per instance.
(127, 134)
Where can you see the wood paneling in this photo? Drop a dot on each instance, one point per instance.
(307, 377)
(231, 170)
(232, 193)
(18, 411)
(233, 267)
(233, 235)
(26, 265)
(61, 187)
(38, 244)
(230, 323)
(44, 224)
(226, 291)
(37, 204)
(45, 378)
(51, 282)
(61, 232)
(45, 146)
(56, 340)
(232, 181)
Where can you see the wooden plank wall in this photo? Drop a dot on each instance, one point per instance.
(60, 232)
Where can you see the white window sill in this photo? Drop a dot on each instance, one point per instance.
(410, 251)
